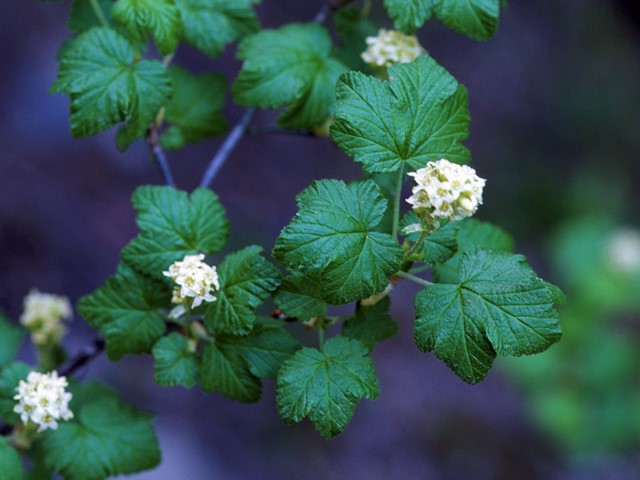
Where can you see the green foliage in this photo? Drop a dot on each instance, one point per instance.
(409, 15)
(106, 437)
(209, 25)
(246, 280)
(173, 224)
(477, 19)
(10, 465)
(498, 306)
(468, 234)
(160, 17)
(332, 236)
(126, 309)
(175, 363)
(195, 110)
(12, 337)
(299, 296)
(326, 385)
(107, 85)
(353, 27)
(83, 17)
(420, 115)
(10, 377)
(289, 66)
(225, 371)
(371, 324)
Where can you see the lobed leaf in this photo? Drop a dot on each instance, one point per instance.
(11, 337)
(332, 235)
(160, 17)
(477, 19)
(326, 386)
(10, 464)
(175, 363)
(419, 116)
(409, 15)
(299, 296)
(289, 66)
(371, 324)
(246, 280)
(498, 306)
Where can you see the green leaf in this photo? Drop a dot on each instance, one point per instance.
(246, 280)
(409, 15)
(371, 325)
(10, 464)
(477, 19)
(10, 377)
(499, 306)
(353, 27)
(106, 85)
(299, 296)
(264, 349)
(209, 25)
(83, 16)
(289, 66)
(419, 116)
(175, 364)
(326, 386)
(126, 309)
(173, 225)
(160, 17)
(332, 236)
(11, 337)
(226, 371)
(440, 245)
(469, 234)
(106, 437)
(195, 110)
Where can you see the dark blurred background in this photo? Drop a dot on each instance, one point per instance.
(555, 107)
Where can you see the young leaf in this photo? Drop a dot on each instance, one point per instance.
(209, 25)
(126, 309)
(106, 85)
(11, 337)
(173, 225)
(290, 65)
(477, 19)
(499, 306)
(409, 15)
(160, 17)
(174, 363)
(332, 236)
(10, 377)
(105, 438)
(195, 110)
(469, 234)
(418, 116)
(371, 325)
(264, 349)
(246, 280)
(226, 371)
(299, 297)
(326, 386)
(10, 464)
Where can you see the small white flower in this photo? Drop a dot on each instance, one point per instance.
(43, 315)
(42, 399)
(391, 46)
(622, 250)
(195, 280)
(445, 190)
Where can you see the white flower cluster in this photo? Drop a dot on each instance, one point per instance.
(445, 190)
(43, 314)
(42, 399)
(391, 46)
(195, 280)
(622, 250)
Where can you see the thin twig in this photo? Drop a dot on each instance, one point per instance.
(413, 278)
(84, 356)
(159, 157)
(227, 147)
